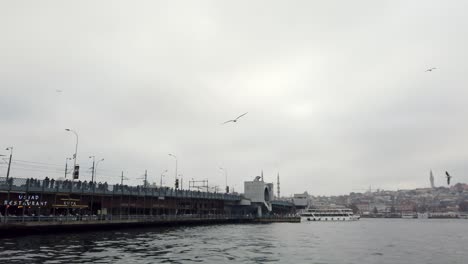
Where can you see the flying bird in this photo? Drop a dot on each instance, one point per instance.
(431, 69)
(235, 120)
(448, 178)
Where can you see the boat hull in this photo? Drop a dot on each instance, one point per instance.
(328, 218)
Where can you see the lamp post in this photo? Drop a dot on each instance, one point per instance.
(92, 168)
(95, 168)
(162, 175)
(76, 148)
(175, 176)
(9, 162)
(225, 175)
(181, 176)
(9, 183)
(66, 166)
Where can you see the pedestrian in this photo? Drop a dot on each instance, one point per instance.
(46, 182)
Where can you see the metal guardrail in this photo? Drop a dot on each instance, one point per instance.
(114, 218)
(282, 203)
(78, 187)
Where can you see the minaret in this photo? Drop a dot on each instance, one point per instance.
(278, 186)
(431, 179)
(262, 175)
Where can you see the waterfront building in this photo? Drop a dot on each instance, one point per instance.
(301, 200)
(259, 193)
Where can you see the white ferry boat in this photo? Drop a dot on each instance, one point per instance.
(329, 214)
(409, 215)
(463, 215)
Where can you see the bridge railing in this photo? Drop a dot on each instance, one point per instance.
(79, 187)
(116, 218)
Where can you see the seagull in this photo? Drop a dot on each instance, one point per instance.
(235, 120)
(448, 178)
(431, 69)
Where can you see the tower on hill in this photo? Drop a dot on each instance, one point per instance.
(431, 179)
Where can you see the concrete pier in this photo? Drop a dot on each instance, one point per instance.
(292, 219)
(56, 225)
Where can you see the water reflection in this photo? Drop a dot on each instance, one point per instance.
(367, 241)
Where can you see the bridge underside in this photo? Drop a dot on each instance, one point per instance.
(282, 208)
(36, 203)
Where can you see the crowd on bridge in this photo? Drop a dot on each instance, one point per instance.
(65, 184)
(48, 183)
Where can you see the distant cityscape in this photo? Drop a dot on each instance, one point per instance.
(436, 201)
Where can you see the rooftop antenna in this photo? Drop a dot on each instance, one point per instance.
(122, 178)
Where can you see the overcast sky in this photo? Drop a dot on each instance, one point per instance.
(337, 93)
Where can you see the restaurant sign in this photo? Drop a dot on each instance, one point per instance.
(26, 200)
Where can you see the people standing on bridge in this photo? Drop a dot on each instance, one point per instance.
(46, 182)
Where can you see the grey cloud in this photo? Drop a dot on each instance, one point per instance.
(336, 92)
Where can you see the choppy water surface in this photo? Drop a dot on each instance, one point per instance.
(365, 241)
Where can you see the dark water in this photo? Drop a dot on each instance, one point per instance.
(365, 241)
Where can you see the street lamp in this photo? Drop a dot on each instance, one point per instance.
(225, 175)
(92, 168)
(9, 163)
(162, 174)
(66, 166)
(175, 176)
(76, 148)
(95, 168)
(181, 176)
